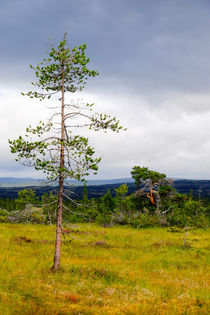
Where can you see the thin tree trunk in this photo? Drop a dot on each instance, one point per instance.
(61, 182)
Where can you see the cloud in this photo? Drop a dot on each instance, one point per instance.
(153, 59)
(169, 136)
(152, 45)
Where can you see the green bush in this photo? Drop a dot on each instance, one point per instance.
(103, 220)
(191, 213)
(3, 213)
(3, 216)
(145, 220)
(33, 215)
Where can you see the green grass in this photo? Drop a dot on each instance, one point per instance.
(103, 271)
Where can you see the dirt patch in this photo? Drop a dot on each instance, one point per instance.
(69, 231)
(101, 244)
(21, 239)
(24, 239)
(161, 244)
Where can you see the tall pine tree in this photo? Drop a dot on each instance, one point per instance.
(52, 146)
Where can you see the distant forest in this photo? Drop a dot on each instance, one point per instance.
(199, 188)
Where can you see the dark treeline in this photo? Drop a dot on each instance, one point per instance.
(152, 200)
(94, 191)
(144, 206)
(200, 188)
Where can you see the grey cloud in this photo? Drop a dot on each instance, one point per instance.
(154, 64)
(152, 45)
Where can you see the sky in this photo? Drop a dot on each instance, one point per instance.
(154, 62)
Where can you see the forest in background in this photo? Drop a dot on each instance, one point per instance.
(151, 200)
(184, 186)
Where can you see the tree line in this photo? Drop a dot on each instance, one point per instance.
(154, 203)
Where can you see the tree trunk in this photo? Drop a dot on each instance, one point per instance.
(61, 183)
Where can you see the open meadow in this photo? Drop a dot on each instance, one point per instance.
(115, 270)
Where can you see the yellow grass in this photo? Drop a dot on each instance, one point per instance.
(103, 271)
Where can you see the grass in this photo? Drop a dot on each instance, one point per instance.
(103, 271)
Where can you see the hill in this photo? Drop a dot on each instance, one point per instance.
(199, 187)
(24, 182)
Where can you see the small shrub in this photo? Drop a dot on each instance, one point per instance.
(34, 215)
(145, 220)
(3, 216)
(103, 220)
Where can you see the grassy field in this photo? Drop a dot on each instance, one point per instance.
(104, 271)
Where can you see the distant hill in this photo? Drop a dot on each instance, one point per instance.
(199, 187)
(24, 182)
(98, 188)
(93, 191)
(19, 182)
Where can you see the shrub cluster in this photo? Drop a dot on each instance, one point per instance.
(134, 210)
(155, 203)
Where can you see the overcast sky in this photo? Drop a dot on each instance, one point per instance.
(154, 62)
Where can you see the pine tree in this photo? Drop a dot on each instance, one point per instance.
(55, 149)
